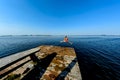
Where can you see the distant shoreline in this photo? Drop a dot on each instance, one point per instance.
(55, 35)
(22, 35)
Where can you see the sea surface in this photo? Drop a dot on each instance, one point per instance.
(98, 56)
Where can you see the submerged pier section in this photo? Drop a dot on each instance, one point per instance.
(41, 63)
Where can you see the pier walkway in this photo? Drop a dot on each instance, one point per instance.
(42, 63)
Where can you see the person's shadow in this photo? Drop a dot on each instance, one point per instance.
(40, 68)
(42, 65)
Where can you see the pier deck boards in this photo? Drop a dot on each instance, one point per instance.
(62, 66)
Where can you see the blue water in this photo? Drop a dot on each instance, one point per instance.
(98, 56)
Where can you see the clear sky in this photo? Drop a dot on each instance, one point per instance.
(59, 17)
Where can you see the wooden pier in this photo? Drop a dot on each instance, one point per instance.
(44, 63)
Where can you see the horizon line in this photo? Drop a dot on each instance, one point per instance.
(62, 35)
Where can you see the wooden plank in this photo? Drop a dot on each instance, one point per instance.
(9, 59)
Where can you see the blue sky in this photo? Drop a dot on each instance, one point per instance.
(59, 17)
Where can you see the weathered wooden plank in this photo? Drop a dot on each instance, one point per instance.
(6, 60)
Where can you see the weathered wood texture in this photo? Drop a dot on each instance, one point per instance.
(12, 58)
(63, 66)
(16, 63)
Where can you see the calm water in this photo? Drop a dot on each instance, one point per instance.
(98, 56)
